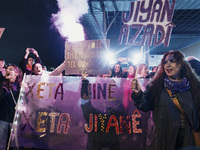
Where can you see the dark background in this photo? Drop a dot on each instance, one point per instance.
(28, 23)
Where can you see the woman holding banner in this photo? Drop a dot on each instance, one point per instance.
(174, 97)
(96, 140)
(9, 92)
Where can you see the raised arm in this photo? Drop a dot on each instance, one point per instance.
(58, 70)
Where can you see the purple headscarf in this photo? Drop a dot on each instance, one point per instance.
(177, 86)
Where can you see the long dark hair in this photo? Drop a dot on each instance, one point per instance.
(18, 79)
(195, 64)
(158, 81)
(119, 74)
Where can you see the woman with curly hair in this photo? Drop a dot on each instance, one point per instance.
(9, 92)
(174, 79)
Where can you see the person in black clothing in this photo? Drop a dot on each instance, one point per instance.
(9, 92)
(194, 63)
(28, 61)
(96, 140)
(2, 67)
(153, 72)
(175, 79)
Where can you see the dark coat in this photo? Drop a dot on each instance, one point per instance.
(167, 117)
(24, 62)
(7, 104)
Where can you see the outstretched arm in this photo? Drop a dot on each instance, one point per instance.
(58, 70)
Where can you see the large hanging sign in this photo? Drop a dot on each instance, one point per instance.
(149, 20)
(51, 114)
(86, 55)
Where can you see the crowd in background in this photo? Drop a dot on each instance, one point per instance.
(31, 64)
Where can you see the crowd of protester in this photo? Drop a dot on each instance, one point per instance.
(10, 83)
(145, 99)
(174, 81)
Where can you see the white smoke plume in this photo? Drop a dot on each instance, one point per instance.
(67, 19)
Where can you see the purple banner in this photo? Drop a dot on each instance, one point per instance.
(51, 115)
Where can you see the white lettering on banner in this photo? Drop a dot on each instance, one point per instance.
(153, 17)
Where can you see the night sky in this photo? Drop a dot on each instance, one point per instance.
(28, 23)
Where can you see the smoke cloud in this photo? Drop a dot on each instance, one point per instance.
(67, 19)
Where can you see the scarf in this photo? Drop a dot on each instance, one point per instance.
(131, 76)
(29, 67)
(177, 86)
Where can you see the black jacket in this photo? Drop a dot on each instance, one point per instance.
(7, 104)
(167, 117)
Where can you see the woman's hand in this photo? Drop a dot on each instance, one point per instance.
(35, 52)
(27, 53)
(84, 74)
(135, 86)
